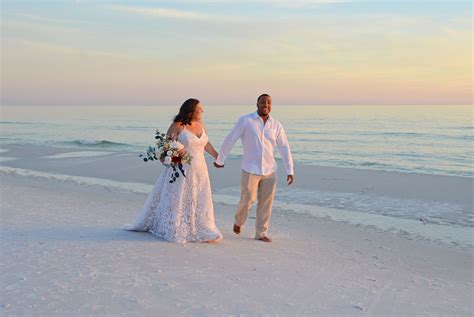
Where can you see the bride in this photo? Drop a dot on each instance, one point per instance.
(182, 211)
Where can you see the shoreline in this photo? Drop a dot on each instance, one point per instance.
(414, 206)
(22, 153)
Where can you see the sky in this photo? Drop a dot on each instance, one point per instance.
(301, 52)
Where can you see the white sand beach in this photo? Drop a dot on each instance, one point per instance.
(64, 252)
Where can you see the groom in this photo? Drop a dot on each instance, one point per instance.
(259, 133)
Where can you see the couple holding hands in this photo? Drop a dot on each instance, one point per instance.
(183, 211)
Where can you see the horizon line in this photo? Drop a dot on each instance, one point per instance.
(247, 104)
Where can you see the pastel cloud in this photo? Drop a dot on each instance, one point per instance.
(161, 12)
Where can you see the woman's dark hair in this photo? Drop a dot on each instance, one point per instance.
(186, 111)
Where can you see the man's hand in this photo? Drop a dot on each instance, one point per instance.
(290, 179)
(217, 165)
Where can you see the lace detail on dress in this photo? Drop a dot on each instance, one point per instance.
(181, 211)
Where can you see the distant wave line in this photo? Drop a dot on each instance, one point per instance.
(97, 143)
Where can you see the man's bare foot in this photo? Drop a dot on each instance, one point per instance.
(265, 239)
(236, 229)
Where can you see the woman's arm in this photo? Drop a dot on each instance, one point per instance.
(211, 150)
(174, 130)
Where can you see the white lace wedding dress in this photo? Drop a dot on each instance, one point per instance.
(181, 211)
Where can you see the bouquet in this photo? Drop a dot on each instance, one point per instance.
(169, 152)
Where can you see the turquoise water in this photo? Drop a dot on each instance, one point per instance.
(422, 139)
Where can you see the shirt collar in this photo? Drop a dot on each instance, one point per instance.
(256, 116)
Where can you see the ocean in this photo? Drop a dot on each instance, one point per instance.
(415, 139)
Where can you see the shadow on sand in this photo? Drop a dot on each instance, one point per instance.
(98, 234)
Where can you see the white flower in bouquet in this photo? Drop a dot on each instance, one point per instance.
(167, 160)
(169, 153)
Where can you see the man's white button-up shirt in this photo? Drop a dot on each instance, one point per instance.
(259, 141)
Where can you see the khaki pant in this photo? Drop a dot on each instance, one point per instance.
(252, 187)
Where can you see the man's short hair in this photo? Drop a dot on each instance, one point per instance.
(262, 95)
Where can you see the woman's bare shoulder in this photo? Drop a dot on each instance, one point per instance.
(176, 125)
